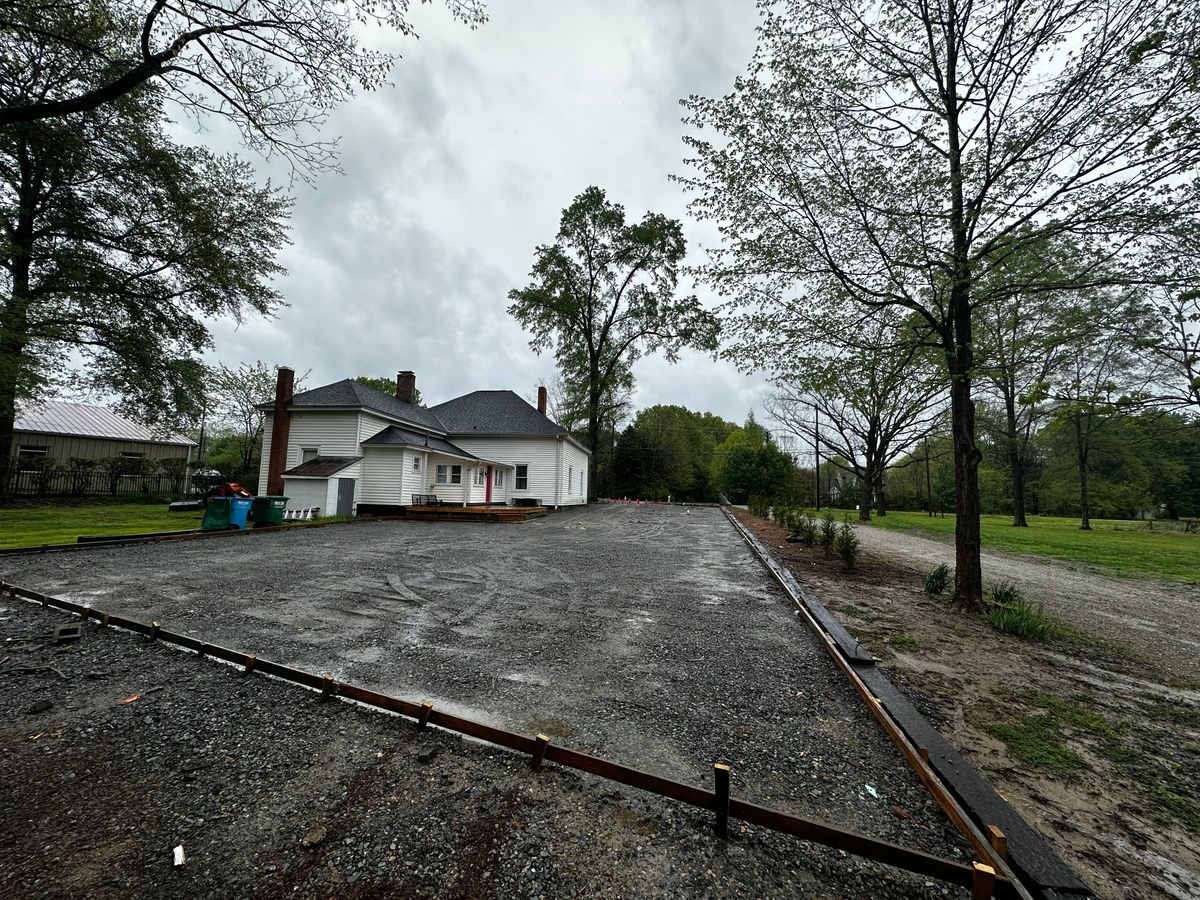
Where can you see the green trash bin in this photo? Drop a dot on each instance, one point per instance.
(268, 511)
(216, 514)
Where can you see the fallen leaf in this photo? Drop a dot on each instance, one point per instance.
(130, 699)
(901, 813)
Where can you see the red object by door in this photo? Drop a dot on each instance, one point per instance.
(487, 497)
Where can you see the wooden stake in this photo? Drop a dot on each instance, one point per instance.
(154, 626)
(983, 881)
(250, 661)
(327, 687)
(721, 774)
(426, 709)
(540, 743)
(104, 621)
(203, 651)
(924, 751)
(998, 841)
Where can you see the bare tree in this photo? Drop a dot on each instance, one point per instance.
(867, 402)
(889, 153)
(274, 67)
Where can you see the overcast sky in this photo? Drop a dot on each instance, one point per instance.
(455, 174)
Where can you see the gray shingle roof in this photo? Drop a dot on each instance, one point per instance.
(395, 436)
(323, 466)
(84, 420)
(493, 412)
(350, 393)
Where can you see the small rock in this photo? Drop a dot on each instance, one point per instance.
(314, 837)
(426, 753)
(40, 707)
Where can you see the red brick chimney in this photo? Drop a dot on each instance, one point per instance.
(281, 426)
(542, 399)
(406, 386)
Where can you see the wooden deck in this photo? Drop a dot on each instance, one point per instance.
(474, 513)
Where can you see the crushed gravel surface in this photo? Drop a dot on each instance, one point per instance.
(647, 635)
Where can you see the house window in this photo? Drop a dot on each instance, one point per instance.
(416, 464)
(131, 454)
(480, 478)
(498, 478)
(30, 451)
(522, 482)
(448, 475)
(308, 454)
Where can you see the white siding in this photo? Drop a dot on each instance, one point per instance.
(574, 474)
(449, 493)
(546, 461)
(331, 433)
(307, 492)
(383, 473)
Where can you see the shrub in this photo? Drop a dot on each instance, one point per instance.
(1010, 613)
(937, 581)
(828, 532)
(806, 528)
(846, 544)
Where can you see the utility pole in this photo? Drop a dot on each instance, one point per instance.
(817, 456)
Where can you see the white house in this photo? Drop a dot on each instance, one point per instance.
(351, 449)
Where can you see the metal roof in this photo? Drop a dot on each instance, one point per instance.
(84, 420)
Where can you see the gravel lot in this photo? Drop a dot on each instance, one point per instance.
(648, 635)
(273, 793)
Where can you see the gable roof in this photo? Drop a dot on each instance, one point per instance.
(494, 412)
(349, 393)
(395, 436)
(322, 466)
(84, 420)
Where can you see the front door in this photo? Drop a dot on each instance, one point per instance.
(345, 501)
(488, 493)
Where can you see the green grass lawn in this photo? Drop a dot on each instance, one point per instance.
(31, 526)
(1120, 547)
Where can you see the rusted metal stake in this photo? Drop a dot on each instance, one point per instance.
(327, 685)
(250, 661)
(540, 743)
(983, 881)
(998, 840)
(426, 709)
(721, 798)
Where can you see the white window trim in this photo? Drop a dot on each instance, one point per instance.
(416, 466)
(316, 452)
(479, 479)
(446, 473)
(517, 477)
(498, 478)
(31, 450)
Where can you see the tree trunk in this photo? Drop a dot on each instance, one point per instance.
(14, 318)
(1081, 459)
(960, 353)
(1016, 460)
(880, 500)
(593, 433)
(866, 495)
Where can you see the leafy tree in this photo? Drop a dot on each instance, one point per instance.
(602, 295)
(668, 452)
(275, 68)
(889, 154)
(748, 463)
(386, 386)
(117, 246)
(1021, 339)
(862, 401)
(1100, 375)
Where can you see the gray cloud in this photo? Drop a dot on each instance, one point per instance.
(456, 173)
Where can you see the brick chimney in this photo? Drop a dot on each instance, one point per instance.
(406, 386)
(281, 426)
(542, 399)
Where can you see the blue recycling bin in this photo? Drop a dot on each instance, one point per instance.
(239, 510)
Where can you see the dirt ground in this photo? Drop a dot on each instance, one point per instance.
(647, 635)
(1093, 736)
